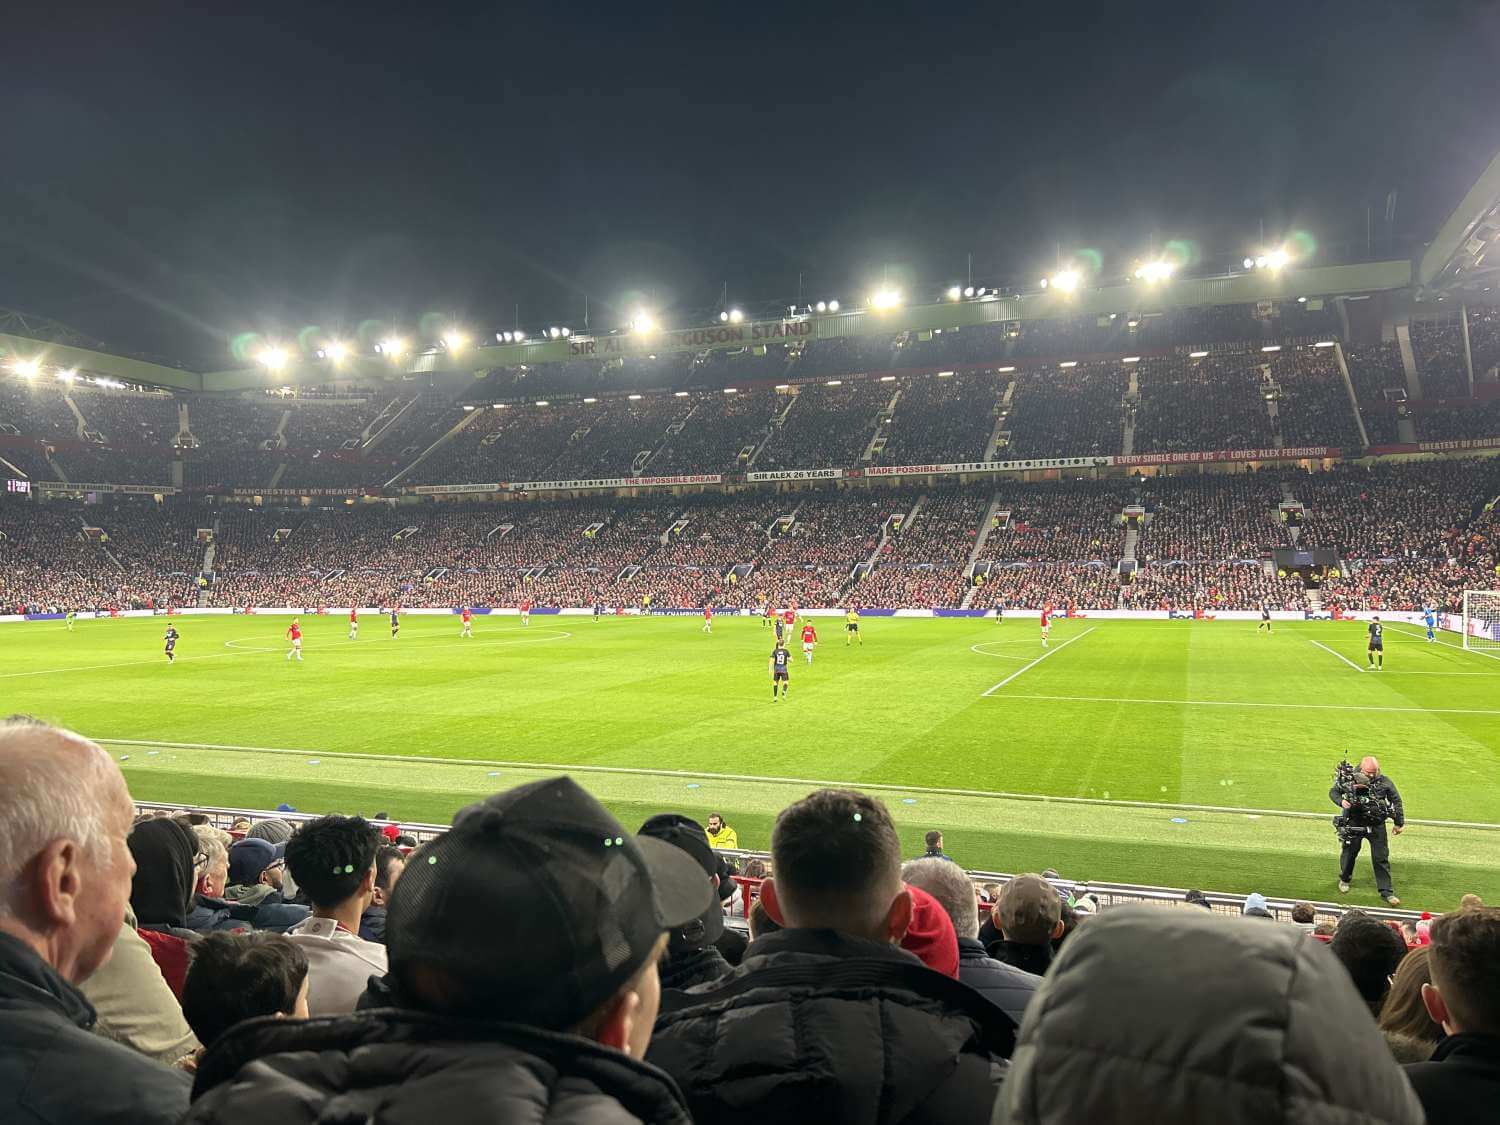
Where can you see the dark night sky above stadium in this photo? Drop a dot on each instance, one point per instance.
(174, 176)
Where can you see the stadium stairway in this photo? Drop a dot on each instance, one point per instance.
(986, 525)
(468, 418)
(1359, 421)
(1408, 360)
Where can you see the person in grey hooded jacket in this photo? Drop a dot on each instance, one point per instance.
(1198, 1018)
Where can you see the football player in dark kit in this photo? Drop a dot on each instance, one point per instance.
(1368, 799)
(1375, 654)
(171, 642)
(781, 667)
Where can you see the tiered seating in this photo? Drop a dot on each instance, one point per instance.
(1070, 412)
(1374, 370)
(942, 420)
(1439, 348)
(827, 427)
(1314, 406)
(720, 427)
(1207, 403)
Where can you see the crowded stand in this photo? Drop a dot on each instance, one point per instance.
(825, 426)
(1207, 587)
(1219, 518)
(1439, 348)
(832, 356)
(1067, 412)
(922, 563)
(626, 430)
(1313, 402)
(1484, 342)
(1379, 383)
(720, 428)
(942, 419)
(1453, 423)
(1211, 402)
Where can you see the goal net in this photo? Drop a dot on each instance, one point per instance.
(1481, 625)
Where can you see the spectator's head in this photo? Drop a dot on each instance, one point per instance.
(215, 875)
(235, 977)
(946, 883)
(1370, 951)
(1369, 766)
(390, 862)
(930, 934)
(1464, 995)
(65, 867)
(760, 921)
(1197, 898)
(1469, 901)
(168, 863)
(1029, 911)
(934, 841)
(1261, 1003)
(333, 860)
(539, 908)
(688, 836)
(715, 822)
(1255, 906)
(275, 830)
(255, 862)
(1304, 913)
(837, 864)
(1404, 1012)
(755, 868)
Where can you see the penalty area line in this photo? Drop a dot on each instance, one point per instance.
(1038, 660)
(1341, 656)
(1445, 644)
(1272, 706)
(639, 771)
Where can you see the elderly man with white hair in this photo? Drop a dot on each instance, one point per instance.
(64, 883)
(1367, 804)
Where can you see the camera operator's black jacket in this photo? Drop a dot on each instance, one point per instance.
(1381, 788)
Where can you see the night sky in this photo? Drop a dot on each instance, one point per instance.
(172, 177)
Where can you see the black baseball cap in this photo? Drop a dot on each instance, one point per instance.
(537, 906)
(688, 835)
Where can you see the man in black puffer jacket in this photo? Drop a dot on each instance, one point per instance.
(829, 1019)
(523, 969)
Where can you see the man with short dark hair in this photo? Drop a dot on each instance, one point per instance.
(390, 862)
(692, 955)
(934, 843)
(65, 871)
(1006, 986)
(236, 977)
(1370, 950)
(1305, 916)
(829, 1015)
(1463, 997)
(523, 951)
(333, 860)
(1029, 918)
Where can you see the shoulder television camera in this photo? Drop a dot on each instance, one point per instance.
(1368, 809)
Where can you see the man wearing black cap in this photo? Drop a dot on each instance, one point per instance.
(830, 1019)
(692, 953)
(523, 949)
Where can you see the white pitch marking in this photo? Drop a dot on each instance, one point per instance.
(1037, 661)
(1275, 706)
(1340, 655)
(980, 649)
(1446, 644)
(575, 767)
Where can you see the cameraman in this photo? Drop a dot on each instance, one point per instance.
(1368, 802)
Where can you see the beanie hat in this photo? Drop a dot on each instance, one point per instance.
(931, 935)
(276, 831)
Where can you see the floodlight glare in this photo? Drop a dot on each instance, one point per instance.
(519, 336)
(735, 316)
(969, 291)
(392, 347)
(643, 322)
(455, 341)
(724, 316)
(1154, 271)
(833, 306)
(1277, 258)
(1066, 280)
(26, 368)
(567, 332)
(821, 306)
(67, 376)
(883, 299)
(1249, 263)
(954, 292)
(1260, 262)
(272, 359)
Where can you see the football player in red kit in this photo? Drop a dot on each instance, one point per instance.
(809, 640)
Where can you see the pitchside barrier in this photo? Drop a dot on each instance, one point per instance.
(1109, 894)
(1450, 622)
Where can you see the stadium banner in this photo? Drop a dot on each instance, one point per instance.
(720, 336)
(1290, 453)
(1451, 446)
(244, 493)
(958, 612)
(693, 611)
(797, 474)
(126, 489)
(613, 482)
(985, 466)
(455, 489)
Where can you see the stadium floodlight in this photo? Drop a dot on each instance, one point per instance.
(455, 341)
(833, 306)
(520, 337)
(885, 299)
(1154, 271)
(1066, 280)
(272, 358)
(26, 368)
(391, 347)
(566, 332)
(955, 292)
(67, 376)
(502, 337)
(634, 398)
(336, 351)
(1302, 300)
(724, 316)
(643, 322)
(821, 306)
(1271, 348)
(1277, 258)
(736, 316)
(1196, 355)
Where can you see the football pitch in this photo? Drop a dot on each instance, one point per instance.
(1180, 753)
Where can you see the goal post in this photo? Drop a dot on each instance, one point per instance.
(1481, 621)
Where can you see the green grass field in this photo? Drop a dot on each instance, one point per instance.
(1153, 752)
